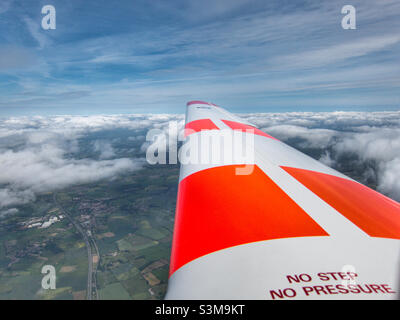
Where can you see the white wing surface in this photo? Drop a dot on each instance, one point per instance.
(275, 223)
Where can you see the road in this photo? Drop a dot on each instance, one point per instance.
(95, 269)
(88, 240)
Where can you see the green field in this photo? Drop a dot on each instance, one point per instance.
(133, 222)
(114, 291)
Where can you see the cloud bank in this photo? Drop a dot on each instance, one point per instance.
(368, 142)
(43, 154)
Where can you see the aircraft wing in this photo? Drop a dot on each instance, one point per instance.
(275, 223)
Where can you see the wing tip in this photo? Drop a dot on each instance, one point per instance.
(200, 102)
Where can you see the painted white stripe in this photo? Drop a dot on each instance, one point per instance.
(251, 270)
(269, 155)
(327, 217)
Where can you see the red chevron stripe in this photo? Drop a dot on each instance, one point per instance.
(245, 127)
(371, 211)
(200, 102)
(217, 209)
(198, 125)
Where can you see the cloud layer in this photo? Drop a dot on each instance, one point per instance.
(42, 154)
(367, 143)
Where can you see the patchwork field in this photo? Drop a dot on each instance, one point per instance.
(130, 220)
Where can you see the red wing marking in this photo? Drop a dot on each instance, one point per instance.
(243, 127)
(371, 211)
(198, 125)
(217, 209)
(200, 102)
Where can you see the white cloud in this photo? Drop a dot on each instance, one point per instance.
(382, 146)
(390, 177)
(7, 212)
(35, 30)
(316, 138)
(38, 154)
(44, 168)
(5, 5)
(326, 159)
(338, 52)
(105, 149)
(9, 197)
(372, 137)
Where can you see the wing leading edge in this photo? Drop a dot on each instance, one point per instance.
(285, 227)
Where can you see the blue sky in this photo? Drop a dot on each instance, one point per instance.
(141, 56)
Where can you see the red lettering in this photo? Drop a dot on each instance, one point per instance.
(322, 276)
(331, 289)
(295, 278)
(366, 286)
(319, 289)
(307, 290)
(279, 294)
(332, 274)
(286, 292)
(376, 288)
(352, 275)
(342, 289)
(305, 277)
(343, 276)
(387, 288)
(353, 288)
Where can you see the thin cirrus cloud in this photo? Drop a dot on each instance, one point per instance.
(35, 31)
(5, 5)
(340, 52)
(251, 55)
